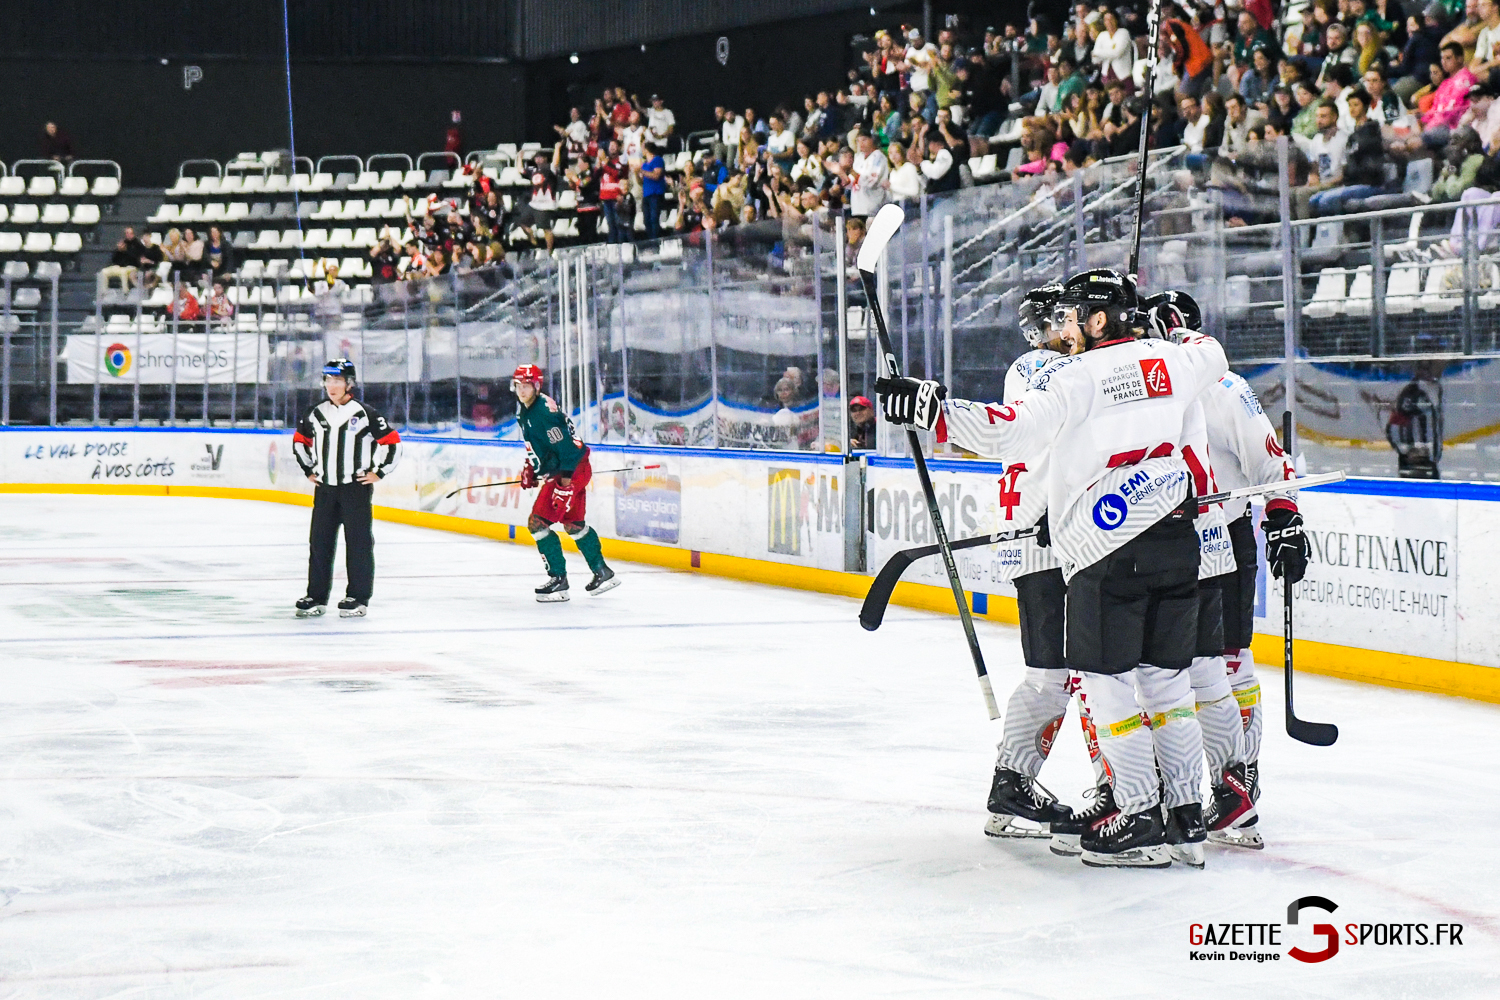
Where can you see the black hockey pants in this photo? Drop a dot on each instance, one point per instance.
(348, 505)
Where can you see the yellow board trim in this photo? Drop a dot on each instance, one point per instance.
(1414, 673)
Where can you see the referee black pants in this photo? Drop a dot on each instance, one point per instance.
(347, 505)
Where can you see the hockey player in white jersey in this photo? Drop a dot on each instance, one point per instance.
(1111, 423)
(1036, 708)
(1245, 452)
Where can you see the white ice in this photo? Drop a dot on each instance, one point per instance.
(686, 787)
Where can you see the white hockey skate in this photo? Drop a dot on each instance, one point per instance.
(351, 608)
(1247, 837)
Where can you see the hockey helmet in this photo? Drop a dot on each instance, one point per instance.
(1099, 290)
(340, 368)
(1171, 310)
(1036, 313)
(527, 373)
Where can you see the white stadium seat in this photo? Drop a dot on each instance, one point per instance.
(10, 242)
(267, 240)
(320, 182)
(328, 210)
(215, 211)
(254, 184)
(389, 180)
(277, 183)
(42, 186)
(167, 213)
(1438, 297)
(352, 209)
(366, 181)
(232, 184)
(301, 182)
(237, 210)
(252, 270)
(208, 186)
(191, 212)
(85, 214)
(316, 239)
(365, 237)
(290, 239)
(414, 179)
(55, 214)
(12, 187)
(67, 243)
(38, 243)
(105, 187)
(184, 185)
(25, 215)
(1328, 297)
(341, 239)
(1403, 288)
(74, 187)
(1358, 301)
(4, 212)
(377, 209)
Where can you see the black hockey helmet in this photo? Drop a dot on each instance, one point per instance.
(339, 368)
(1036, 313)
(1099, 290)
(1170, 310)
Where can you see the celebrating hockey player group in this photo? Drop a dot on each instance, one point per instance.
(1134, 596)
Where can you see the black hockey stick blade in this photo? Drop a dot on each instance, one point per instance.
(878, 598)
(1317, 734)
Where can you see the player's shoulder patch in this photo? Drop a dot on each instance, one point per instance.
(1040, 381)
(551, 403)
(1246, 395)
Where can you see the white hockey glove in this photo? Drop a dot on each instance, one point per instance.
(911, 402)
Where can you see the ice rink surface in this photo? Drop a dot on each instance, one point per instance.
(686, 787)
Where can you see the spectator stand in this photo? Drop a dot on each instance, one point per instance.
(47, 212)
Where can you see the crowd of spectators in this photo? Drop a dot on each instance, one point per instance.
(1361, 88)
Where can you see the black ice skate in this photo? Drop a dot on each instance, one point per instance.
(1013, 796)
(1231, 816)
(309, 608)
(1127, 840)
(350, 607)
(1185, 834)
(602, 581)
(1065, 832)
(553, 591)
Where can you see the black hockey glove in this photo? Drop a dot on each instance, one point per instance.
(912, 402)
(1287, 547)
(1044, 536)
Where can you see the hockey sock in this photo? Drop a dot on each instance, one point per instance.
(1033, 716)
(1240, 667)
(1124, 740)
(1090, 735)
(1218, 714)
(1168, 699)
(587, 541)
(550, 546)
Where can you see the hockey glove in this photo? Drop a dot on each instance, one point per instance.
(1044, 536)
(912, 402)
(528, 476)
(562, 500)
(1287, 547)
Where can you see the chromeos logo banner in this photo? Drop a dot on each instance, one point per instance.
(117, 360)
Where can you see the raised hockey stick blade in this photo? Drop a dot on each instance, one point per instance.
(872, 611)
(512, 482)
(1318, 734)
(887, 221)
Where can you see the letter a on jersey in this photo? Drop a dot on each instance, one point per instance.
(1158, 382)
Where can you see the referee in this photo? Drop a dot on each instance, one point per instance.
(343, 447)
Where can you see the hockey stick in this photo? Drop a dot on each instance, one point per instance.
(512, 482)
(1318, 734)
(882, 228)
(1153, 44)
(872, 612)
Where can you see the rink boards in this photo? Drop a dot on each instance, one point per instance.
(1397, 591)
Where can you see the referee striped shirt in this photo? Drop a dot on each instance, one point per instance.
(335, 443)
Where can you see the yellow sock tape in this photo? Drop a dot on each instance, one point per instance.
(1124, 726)
(1180, 712)
(1248, 697)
